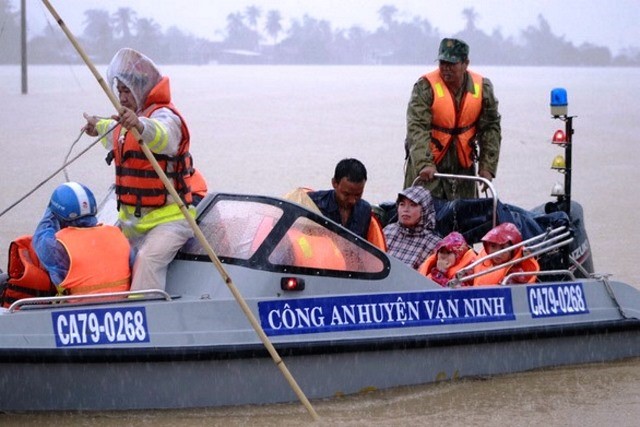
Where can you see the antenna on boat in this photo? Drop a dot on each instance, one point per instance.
(562, 138)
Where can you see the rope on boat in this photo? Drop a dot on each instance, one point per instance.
(612, 295)
(63, 167)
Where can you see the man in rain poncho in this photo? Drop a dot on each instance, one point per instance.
(148, 215)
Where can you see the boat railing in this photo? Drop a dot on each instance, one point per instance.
(128, 296)
(540, 244)
(567, 273)
(485, 181)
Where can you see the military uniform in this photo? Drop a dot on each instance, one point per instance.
(419, 120)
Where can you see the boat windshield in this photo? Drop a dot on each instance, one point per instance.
(236, 229)
(272, 234)
(308, 244)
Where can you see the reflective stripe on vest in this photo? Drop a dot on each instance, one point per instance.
(316, 252)
(151, 219)
(448, 122)
(137, 183)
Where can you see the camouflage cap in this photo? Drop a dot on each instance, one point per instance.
(453, 50)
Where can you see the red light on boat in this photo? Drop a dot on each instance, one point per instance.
(559, 137)
(291, 284)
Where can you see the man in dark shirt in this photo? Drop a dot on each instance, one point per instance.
(344, 203)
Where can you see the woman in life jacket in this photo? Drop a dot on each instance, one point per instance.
(450, 255)
(498, 238)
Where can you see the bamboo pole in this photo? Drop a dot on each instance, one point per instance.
(192, 222)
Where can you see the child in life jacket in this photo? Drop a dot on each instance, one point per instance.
(450, 255)
(499, 238)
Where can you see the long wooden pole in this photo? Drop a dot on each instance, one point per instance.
(192, 222)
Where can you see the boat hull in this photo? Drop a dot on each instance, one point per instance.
(215, 377)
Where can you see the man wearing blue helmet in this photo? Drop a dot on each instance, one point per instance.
(80, 255)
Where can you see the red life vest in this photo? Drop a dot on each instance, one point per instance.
(449, 122)
(27, 279)
(137, 184)
(98, 260)
(198, 183)
(495, 277)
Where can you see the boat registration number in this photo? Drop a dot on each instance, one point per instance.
(557, 300)
(100, 326)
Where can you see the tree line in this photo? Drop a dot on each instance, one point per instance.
(252, 36)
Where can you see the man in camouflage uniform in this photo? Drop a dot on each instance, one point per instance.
(461, 129)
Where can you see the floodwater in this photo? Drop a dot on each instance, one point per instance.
(269, 129)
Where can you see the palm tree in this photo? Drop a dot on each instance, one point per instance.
(147, 29)
(239, 36)
(470, 15)
(123, 20)
(387, 13)
(98, 33)
(149, 38)
(273, 25)
(252, 13)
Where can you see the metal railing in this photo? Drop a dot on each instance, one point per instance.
(485, 181)
(567, 273)
(546, 244)
(128, 296)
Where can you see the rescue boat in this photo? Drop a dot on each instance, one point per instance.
(342, 314)
(369, 322)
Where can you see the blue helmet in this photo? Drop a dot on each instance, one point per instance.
(71, 201)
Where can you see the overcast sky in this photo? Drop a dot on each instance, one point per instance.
(611, 23)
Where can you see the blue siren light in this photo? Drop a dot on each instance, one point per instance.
(559, 102)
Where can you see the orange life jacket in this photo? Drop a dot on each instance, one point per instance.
(449, 122)
(430, 262)
(27, 279)
(99, 260)
(198, 183)
(375, 235)
(495, 277)
(315, 251)
(137, 184)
